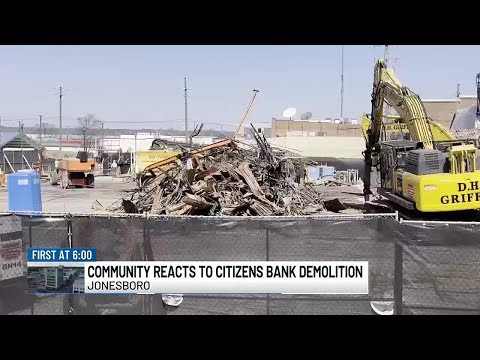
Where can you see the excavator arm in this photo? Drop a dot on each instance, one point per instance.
(397, 125)
(387, 88)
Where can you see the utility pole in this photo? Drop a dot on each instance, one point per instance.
(341, 99)
(103, 140)
(40, 128)
(186, 109)
(20, 124)
(60, 118)
(136, 160)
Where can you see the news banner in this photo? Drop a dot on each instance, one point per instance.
(76, 270)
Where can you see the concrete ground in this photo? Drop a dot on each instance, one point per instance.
(346, 194)
(107, 190)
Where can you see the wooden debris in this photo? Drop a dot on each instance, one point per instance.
(226, 178)
(97, 206)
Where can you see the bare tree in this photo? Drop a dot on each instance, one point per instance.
(91, 126)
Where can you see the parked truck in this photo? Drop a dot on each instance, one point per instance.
(74, 172)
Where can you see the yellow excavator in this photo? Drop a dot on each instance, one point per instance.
(432, 170)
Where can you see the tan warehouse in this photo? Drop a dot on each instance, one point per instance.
(440, 110)
(281, 128)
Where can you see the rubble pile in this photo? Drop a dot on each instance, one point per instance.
(227, 178)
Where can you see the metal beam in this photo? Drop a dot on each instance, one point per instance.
(8, 162)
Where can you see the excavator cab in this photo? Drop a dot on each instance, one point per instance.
(429, 180)
(393, 161)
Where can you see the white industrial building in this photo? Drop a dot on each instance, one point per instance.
(122, 143)
(79, 286)
(54, 277)
(143, 141)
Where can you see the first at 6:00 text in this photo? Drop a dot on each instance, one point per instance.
(61, 255)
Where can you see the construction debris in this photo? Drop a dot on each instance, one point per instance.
(334, 205)
(226, 178)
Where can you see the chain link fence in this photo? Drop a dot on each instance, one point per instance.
(423, 268)
(440, 267)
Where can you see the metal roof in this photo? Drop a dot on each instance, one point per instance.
(456, 100)
(14, 140)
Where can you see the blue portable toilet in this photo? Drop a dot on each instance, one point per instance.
(313, 173)
(327, 173)
(24, 192)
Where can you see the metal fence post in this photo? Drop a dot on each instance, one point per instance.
(30, 245)
(267, 255)
(398, 279)
(30, 241)
(71, 310)
(69, 231)
(148, 256)
(147, 245)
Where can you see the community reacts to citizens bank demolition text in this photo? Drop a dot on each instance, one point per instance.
(228, 277)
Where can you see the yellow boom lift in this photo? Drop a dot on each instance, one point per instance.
(433, 171)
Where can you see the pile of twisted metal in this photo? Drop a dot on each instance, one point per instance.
(226, 178)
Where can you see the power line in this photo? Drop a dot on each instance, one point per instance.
(140, 122)
(17, 120)
(60, 116)
(112, 122)
(35, 118)
(20, 125)
(116, 122)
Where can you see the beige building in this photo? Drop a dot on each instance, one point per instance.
(326, 127)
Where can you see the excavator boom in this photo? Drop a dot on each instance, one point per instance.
(396, 125)
(387, 88)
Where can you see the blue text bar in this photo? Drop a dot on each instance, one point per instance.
(62, 255)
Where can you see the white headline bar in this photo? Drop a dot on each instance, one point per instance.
(220, 277)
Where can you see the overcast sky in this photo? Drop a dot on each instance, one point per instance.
(130, 86)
